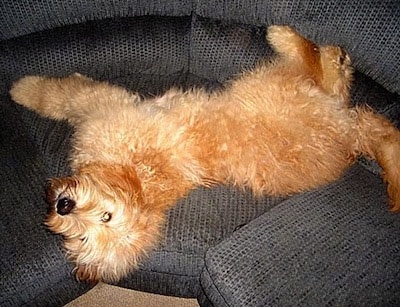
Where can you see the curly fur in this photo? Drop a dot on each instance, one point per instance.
(282, 128)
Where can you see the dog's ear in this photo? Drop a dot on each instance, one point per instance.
(87, 273)
(118, 179)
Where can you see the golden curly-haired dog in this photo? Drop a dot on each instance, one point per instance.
(282, 128)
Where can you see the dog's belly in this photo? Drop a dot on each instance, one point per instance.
(280, 162)
(278, 155)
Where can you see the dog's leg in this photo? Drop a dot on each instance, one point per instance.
(72, 98)
(380, 140)
(293, 47)
(337, 73)
(329, 66)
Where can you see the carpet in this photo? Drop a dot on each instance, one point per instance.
(103, 295)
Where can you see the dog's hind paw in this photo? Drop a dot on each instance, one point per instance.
(280, 35)
(337, 71)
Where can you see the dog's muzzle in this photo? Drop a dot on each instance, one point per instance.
(64, 205)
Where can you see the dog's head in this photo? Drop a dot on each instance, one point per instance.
(104, 220)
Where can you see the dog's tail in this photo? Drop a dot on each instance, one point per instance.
(72, 98)
(380, 140)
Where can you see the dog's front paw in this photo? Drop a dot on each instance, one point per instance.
(49, 96)
(27, 92)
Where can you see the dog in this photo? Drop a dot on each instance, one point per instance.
(282, 128)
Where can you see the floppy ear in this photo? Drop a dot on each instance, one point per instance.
(119, 179)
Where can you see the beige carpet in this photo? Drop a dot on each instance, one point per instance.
(103, 295)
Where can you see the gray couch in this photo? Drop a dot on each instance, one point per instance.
(337, 245)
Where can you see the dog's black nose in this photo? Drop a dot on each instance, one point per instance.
(65, 205)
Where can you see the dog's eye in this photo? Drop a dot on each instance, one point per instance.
(106, 217)
(65, 205)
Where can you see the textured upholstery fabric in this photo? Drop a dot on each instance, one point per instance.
(220, 50)
(23, 17)
(102, 49)
(185, 47)
(357, 26)
(369, 30)
(326, 247)
(31, 267)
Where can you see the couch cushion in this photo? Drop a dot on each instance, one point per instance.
(338, 245)
(32, 265)
(369, 30)
(105, 49)
(220, 50)
(19, 18)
